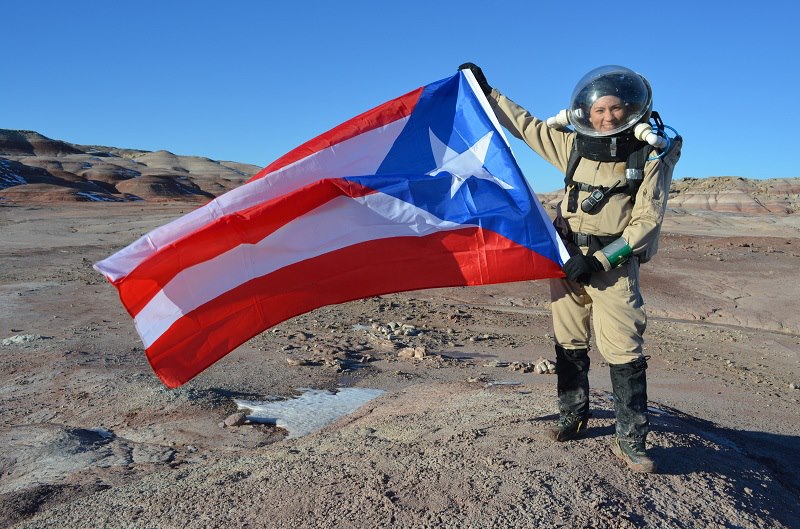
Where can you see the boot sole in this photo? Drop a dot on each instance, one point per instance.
(647, 468)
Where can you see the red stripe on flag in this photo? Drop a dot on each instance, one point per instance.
(469, 256)
(244, 227)
(369, 120)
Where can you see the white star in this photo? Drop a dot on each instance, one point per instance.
(463, 165)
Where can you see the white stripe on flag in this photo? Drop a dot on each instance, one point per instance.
(340, 223)
(358, 156)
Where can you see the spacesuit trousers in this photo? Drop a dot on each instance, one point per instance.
(615, 303)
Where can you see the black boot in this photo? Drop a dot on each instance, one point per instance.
(572, 367)
(629, 382)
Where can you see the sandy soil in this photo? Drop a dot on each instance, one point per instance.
(90, 438)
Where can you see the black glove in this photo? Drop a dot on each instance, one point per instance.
(478, 73)
(580, 268)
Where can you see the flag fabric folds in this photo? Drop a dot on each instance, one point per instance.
(420, 192)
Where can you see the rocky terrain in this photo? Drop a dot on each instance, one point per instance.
(89, 437)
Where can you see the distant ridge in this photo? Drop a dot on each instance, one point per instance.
(725, 194)
(35, 168)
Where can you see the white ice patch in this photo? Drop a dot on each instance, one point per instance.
(9, 178)
(22, 339)
(310, 411)
(93, 197)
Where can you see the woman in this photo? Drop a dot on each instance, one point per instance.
(610, 218)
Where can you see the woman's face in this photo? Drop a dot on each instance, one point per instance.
(607, 113)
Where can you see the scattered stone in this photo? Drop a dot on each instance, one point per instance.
(496, 363)
(235, 419)
(545, 366)
(337, 363)
(409, 330)
(459, 315)
(413, 352)
(524, 367)
(793, 386)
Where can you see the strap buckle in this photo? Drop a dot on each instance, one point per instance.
(581, 239)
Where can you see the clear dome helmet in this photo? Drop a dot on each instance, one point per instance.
(609, 100)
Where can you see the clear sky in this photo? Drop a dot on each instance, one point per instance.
(249, 81)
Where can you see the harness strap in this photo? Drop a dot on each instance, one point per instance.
(581, 186)
(634, 174)
(593, 242)
(634, 170)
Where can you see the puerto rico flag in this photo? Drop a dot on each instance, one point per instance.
(420, 192)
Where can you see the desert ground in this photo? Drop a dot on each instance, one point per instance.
(89, 437)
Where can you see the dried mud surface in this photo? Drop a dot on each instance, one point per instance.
(90, 438)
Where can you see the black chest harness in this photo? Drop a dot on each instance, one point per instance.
(609, 149)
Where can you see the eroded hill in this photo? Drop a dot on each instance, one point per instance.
(34, 168)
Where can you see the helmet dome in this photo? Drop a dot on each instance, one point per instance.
(609, 100)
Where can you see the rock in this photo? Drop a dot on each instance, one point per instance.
(382, 344)
(524, 367)
(235, 419)
(545, 366)
(409, 330)
(22, 339)
(406, 352)
(793, 386)
(496, 363)
(297, 361)
(336, 363)
(152, 454)
(413, 352)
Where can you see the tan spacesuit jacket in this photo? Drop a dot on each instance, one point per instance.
(638, 223)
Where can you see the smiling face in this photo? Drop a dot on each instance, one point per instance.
(607, 113)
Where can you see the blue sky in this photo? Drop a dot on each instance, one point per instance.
(249, 81)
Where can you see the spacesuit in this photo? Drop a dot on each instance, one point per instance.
(610, 217)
